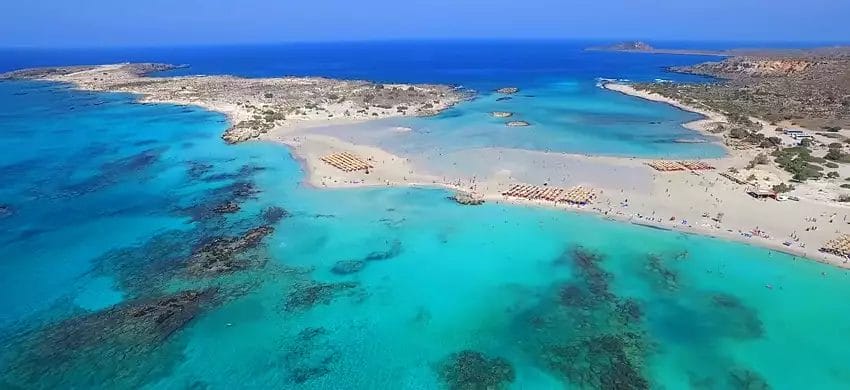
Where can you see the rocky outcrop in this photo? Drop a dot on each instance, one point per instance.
(508, 90)
(747, 66)
(501, 114)
(517, 124)
(467, 199)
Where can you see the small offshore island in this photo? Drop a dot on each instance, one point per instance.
(763, 160)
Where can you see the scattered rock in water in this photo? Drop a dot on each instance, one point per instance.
(504, 98)
(517, 124)
(467, 199)
(305, 295)
(274, 214)
(508, 90)
(501, 114)
(226, 208)
(472, 370)
(219, 255)
(346, 267)
(394, 251)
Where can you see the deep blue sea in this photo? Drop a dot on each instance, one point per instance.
(140, 251)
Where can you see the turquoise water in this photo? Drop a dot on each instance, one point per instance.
(567, 116)
(106, 200)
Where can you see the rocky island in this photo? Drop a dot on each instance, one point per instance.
(507, 90)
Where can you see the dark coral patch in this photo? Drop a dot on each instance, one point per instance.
(305, 295)
(472, 370)
(274, 214)
(345, 267)
(310, 355)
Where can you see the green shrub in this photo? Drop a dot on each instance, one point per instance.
(782, 187)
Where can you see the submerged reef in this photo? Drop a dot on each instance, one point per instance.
(665, 277)
(226, 208)
(310, 355)
(274, 214)
(732, 318)
(744, 379)
(472, 370)
(108, 174)
(304, 295)
(394, 251)
(584, 333)
(219, 255)
(244, 172)
(124, 346)
(345, 267)
(6, 210)
(177, 254)
(606, 361)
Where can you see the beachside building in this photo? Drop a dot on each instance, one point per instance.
(761, 193)
(797, 134)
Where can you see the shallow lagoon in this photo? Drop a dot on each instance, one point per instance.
(87, 173)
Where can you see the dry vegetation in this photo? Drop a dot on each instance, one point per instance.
(809, 89)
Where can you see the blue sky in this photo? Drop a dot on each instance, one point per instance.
(160, 22)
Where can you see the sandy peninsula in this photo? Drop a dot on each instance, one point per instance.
(290, 110)
(705, 202)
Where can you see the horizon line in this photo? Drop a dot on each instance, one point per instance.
(743, 43)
